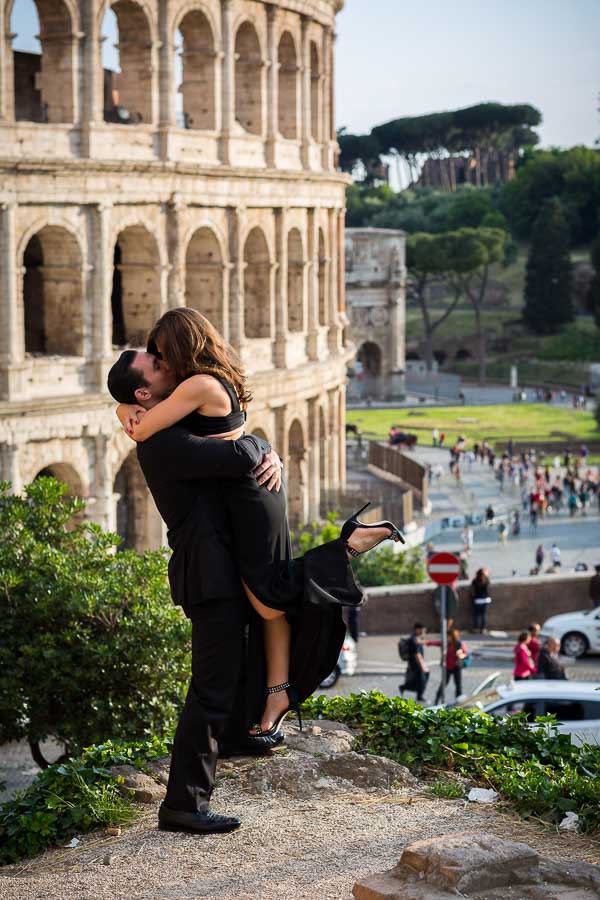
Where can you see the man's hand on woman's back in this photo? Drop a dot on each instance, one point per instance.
(268, 471)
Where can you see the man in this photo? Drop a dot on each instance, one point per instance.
(548, 664)
(555, 556)
(534, 644)
(417, 673)
(594, 590)
(182, 472)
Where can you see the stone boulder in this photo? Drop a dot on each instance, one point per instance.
(144, 788)
(479, 865)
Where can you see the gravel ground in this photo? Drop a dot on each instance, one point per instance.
(286, 849)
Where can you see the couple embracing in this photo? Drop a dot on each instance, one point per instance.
(266, 628)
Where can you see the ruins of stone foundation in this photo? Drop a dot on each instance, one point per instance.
(123, 194)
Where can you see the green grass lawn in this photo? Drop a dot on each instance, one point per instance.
(533, 422)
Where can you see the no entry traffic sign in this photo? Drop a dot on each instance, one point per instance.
(443, 568)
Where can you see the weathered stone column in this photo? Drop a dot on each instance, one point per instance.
(176, 273)
(281, 316)
(312, 282)
(305, 92)
(101, 292)
(272, 85)
(7, 96)
(334, 332)
(166, 82)
(326, 136)
(12, 342)
(227, 81)
(104, 510)
(10, 469)
(235, 220)
(313, 460)
(92, 88)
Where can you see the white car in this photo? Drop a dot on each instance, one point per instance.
(576, 704)
(346, 664)
(577, 632)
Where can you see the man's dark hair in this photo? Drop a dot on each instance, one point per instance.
(417, 625)
(124, 380)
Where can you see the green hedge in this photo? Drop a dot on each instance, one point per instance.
(540, 771)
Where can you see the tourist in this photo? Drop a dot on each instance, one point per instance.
(456, 654)
(548, 663)
(516, 525)
(435, 437)
(417, 673)
(524, 665)
(489, 515)
(442, 439)
(534, 644)
(540, 555)
(480, 598)
(468, 538)
(503, 533)
(555, 556)
(594, 589)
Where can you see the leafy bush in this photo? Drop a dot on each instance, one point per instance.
(538, 770)
(70, 798)
(92, 646)
(380, 567)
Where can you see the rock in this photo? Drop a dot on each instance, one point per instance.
(145, 789)
(159, 769)
(479, 866)
(367, 772)
(326, 737)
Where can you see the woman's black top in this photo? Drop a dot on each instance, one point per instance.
(205, 426)
(480, 589)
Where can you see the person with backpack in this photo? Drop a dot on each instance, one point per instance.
(412, 650)
(457, 658)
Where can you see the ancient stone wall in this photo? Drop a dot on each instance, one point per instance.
(112, 210)
(375, 298)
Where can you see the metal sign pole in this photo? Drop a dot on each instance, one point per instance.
(444, 625)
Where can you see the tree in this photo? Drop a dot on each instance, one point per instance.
(594, 291)
(92, 646)
(477, 249)
(549, 274)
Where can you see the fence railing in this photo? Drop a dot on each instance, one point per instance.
(394, 462)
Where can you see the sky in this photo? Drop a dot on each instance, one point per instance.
(400, 58)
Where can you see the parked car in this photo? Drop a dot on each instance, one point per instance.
(578, 632)
(576, 704)
(346, 664)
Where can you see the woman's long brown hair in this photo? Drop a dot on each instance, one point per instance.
(190, 345)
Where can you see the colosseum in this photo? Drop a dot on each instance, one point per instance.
(200, 171)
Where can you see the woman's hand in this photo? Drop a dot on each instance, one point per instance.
(130, 414)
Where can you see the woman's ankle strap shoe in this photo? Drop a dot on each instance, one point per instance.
(351, 524)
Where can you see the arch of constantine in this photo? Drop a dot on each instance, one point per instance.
(114, 207)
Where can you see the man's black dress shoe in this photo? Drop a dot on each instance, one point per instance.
(205, 822)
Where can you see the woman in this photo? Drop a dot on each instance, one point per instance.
(480, 597)
(210, 397)
(524, 664)
(456, 654)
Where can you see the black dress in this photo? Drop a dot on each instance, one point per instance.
(312, 590)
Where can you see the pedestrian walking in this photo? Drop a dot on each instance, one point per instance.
(489, 515)
(548, 663)
(555, 556)
(457, 656)
(534, 644)
(594, 589)
(503, 533)
(539, 556)
(435, 437)
(480, 599)
(468, 538)
(417, 673)
(516, 525)
(524, 665)
(533, 518)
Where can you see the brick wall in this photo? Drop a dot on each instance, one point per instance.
(516, 602)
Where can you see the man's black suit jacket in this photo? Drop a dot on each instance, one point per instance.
(182, 472)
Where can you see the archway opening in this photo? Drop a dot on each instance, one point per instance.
(315, 92)
(43, 61)
(288, 87)
(295, 281)
(204, 276)
(52, 293)
(297, 474)
(248, 79)
(257, 286)
(66, 474)
(322, 450)
(195, 61)
(133, 506)
(135, 299)
(369, 355)
(462, 354)
(322, 280)
(128, 73)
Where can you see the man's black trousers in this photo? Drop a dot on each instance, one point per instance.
(218, 640)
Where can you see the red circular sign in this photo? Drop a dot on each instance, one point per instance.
(443, 568)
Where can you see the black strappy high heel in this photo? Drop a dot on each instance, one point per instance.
(294, 706)
(351, 524)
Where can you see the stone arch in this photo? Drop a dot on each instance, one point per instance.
(135, 516)
(315, 92)
(128, 92)
(43, 83)
(257, 285)
(322, 281)
(369, 358)
(136, 297)
(199, 60)
(462, 353)
(295, 281)
(287, 102)
(297, 477)
(66, 474)
(53, 293)
(248, 79)
(259, 433)
(204, 276)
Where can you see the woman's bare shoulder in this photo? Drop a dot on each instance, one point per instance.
(202, 384)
